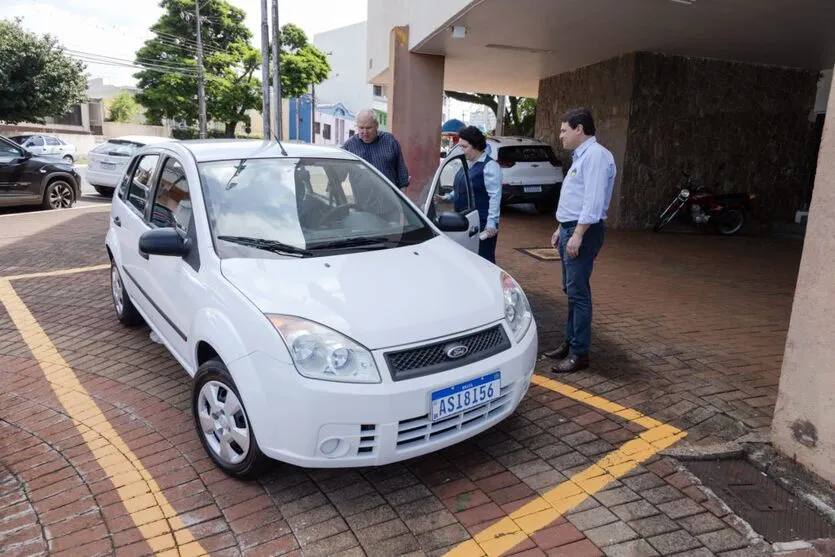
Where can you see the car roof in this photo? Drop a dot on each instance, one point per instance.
(509, 140)
(225, 149)
(146, 139)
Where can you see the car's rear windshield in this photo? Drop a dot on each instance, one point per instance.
(117, 148)
(20, 139)
(529, 153)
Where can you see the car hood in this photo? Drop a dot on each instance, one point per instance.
(380, 298)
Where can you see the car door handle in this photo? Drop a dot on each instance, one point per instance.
(473, 231)
(117, 221)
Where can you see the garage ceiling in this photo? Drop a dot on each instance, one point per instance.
(511, 45)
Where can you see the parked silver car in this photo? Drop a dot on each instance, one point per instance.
(106, 162)
(47, 146)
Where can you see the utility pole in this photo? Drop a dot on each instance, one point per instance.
(201, 89)
(312, 113)
(279, 131)
(265, 67)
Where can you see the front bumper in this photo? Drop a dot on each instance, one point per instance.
(375, 424)
(517, 194)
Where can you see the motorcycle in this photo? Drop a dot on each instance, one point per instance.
(726, 213)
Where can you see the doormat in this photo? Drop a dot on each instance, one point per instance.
(542, 254)
(772, 511)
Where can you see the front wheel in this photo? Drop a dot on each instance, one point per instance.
(59, 194)
(730, 221)
(104, 191)
(223, 424)
(668, 214)
(125, 310)
(68, 159)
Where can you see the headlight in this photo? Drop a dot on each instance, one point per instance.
(517, 311)
(321, 353)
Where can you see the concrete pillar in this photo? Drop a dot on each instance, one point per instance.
(804, 421)
(415, 107)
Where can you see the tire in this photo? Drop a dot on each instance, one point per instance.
(105, 191)
(68, 159)
(730, 222)
(125, 310)
(222, 423)
(59, 194)
(668, 214)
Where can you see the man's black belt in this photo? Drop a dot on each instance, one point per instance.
(569, 224)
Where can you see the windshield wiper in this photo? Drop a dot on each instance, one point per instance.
(360, 242)
(268, 245)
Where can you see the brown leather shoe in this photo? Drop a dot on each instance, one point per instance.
(559, 353)
(571, 363)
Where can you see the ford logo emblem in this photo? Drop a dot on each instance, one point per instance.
(456, 351)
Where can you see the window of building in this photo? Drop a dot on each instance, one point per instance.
(326, 133)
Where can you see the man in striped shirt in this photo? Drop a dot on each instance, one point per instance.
(380, 149)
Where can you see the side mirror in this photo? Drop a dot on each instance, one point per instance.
(452, 222)
(163, 241)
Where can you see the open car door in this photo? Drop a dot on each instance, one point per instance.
(454, 165)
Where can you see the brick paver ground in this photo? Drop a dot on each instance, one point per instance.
(688, 329)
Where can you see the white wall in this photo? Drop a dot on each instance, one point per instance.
(423, 18)
(337, 125)
(347, 83)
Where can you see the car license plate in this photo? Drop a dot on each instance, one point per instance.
(533, 189)
(107, 165)
(464, 396)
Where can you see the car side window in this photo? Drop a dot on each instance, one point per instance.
(140, 183)
(459, 198)
(36, 141)
(52, 141)
(172, 204)
(8, 153)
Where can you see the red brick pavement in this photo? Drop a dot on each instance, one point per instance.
(55, 497)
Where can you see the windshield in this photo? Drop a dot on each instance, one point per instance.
(117, 148)
(305, 206)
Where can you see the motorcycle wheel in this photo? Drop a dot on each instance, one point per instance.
(730, 222)
(668, 214)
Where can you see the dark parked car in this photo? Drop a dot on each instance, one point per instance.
(26, 179)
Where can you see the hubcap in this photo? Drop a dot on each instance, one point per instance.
(60, 196)
(116, 290)
(223, 422)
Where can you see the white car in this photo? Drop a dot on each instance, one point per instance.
(106, 162)
(47, 146)
(325, 319)
(531, 172)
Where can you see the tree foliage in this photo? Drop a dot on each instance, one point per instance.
(519, 118)
(123, 108)
(231, 64)
(37, 80)
(168, 84)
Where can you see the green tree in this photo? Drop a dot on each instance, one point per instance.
(123, 108)
(37, 79)
(168, 84)
(519, 119)
(302, 64)
(231, 64)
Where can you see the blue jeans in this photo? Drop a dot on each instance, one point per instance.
(576, 273)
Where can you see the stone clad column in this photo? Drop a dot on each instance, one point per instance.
(804, 416)
(416, 107)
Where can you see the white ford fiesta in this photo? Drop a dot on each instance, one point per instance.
(326, 319)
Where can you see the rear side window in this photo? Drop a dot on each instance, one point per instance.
(140, 183)
(529, 153)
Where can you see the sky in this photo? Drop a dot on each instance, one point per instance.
(100, 27)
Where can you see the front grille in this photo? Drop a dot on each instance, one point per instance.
(432, 358)
(417, 431)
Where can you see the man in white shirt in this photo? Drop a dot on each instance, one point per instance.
(584, 202)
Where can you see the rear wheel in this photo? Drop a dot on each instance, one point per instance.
(222, 422)
(546, 206)
(668, 214)
(104, 192)
(730, 221)
(125, 310)
(59, 194)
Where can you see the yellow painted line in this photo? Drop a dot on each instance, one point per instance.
(510, 531)
(59, 273)
(153, 515)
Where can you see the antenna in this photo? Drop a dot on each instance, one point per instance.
(277, 140)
